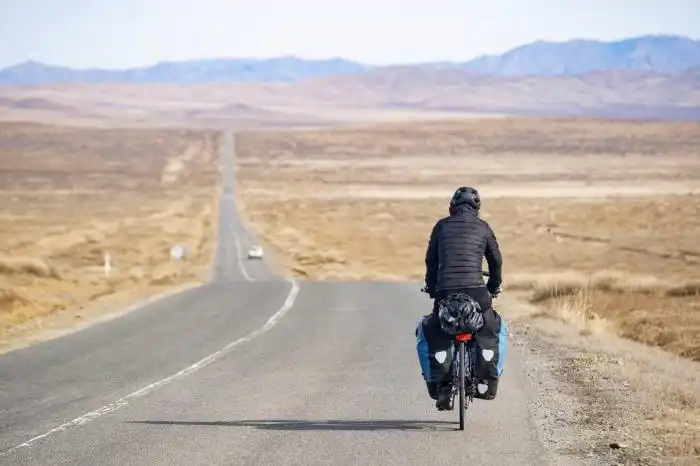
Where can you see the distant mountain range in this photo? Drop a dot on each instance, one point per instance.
(285, 69)
(652, 53)
(614, 94)
(660, 54)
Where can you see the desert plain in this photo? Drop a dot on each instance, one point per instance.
(598, 222)
(74, 198)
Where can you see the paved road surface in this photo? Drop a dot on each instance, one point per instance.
(251, 369)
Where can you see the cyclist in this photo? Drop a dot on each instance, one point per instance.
(458, 244)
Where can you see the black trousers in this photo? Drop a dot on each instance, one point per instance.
(480, 294)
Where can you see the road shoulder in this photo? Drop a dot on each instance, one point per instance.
(601, 399)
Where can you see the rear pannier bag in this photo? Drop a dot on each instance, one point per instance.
(435, 350)
(491, 342)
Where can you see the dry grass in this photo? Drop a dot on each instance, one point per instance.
(68, 196)
(643, 308)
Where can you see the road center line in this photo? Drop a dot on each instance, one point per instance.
(239, 253)
(121, 402)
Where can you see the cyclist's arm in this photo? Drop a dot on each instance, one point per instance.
(494, 260)
(431, 260)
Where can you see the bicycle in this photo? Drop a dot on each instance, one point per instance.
(463, 383)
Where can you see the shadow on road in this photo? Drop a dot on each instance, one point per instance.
(350, 425)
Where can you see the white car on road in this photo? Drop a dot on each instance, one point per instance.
(255, 252)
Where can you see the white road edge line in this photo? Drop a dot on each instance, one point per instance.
(237, 240)
(120, 403)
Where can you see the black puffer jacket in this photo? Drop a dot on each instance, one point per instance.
(457, 246)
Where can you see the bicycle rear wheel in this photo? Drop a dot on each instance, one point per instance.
(461, 385)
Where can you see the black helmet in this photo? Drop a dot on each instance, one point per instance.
(466, 196)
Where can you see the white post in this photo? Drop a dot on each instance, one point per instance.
(177, 252)
(107, 263)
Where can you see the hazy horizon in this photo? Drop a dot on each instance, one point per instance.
(138, 33)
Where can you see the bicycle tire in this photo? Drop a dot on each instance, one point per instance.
(461, 385)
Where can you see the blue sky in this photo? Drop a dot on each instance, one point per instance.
(121, 33)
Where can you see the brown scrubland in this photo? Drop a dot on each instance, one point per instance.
(598, 221)
(69, 196)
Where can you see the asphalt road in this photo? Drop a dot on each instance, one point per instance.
(251, 369)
